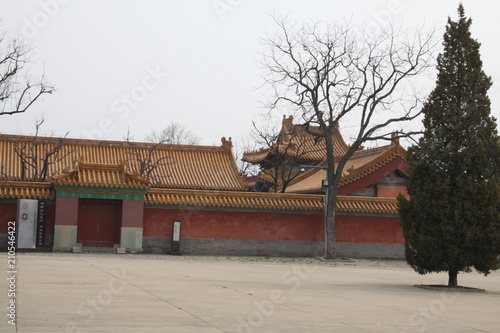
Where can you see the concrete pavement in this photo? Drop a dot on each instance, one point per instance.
(156, 293)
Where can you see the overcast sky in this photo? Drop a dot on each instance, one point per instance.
(140, 65)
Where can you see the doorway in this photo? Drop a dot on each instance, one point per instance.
(99, 222)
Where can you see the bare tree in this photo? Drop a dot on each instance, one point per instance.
(147, 156)
(328, 73)
(37, 154)
(175, 134)
(18, 91)
(148, 159)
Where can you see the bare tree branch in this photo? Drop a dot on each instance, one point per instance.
(327, 73)
(287, 149)
(147, 160)
(18, 92)
(37, 154)
(175, 134)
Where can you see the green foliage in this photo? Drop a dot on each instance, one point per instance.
(452, 220)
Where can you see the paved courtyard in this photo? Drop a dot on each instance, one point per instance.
(155, 293)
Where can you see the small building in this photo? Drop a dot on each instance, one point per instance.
(295, 163)
(97, 195)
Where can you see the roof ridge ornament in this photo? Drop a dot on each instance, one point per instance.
(395, 138)
(227, 144)
(286, 130)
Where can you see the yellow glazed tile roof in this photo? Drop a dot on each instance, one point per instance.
(361, 164)
(297, 141)
(100, 175)
(222, 199)
(367, 205)
(181, 166)
(355, 171)
(26, 190)
(266, 201)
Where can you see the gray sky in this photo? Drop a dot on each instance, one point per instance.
(121, 64)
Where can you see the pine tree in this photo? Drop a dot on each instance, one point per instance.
(451, 223)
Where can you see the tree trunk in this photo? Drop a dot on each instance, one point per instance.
(452, 279)
(23, 170)
(331, 235)
(331, 208)
(331, 196)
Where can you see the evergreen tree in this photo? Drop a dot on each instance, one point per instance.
(451, 223)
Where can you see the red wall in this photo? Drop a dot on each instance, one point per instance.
(245, 225)
(132, 213)
(391, 190)
(234, 225)
(67, 211)
(363, 229)
(8, 212)
(270, 226)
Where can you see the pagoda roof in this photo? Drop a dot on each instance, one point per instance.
(300, 141)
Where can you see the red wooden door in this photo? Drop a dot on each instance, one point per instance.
(99, 222)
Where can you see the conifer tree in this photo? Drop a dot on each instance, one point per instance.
(451, 223)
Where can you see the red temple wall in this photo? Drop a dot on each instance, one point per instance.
(270, 226)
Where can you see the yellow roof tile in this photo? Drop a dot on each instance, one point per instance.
(267, 201)
(26, 190)
(222, 199)
(361, 164)
(100, 175)
(300, 142)
(181, 166)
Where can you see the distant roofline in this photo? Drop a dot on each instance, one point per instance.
(100, 142)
